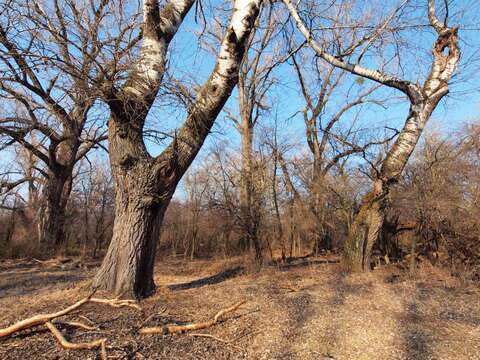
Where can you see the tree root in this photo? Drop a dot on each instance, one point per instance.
(175, 329)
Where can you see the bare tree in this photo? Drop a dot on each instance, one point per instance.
(53, 55)
(423, 100)
(144, 184)
(331, 139)
(255, 80)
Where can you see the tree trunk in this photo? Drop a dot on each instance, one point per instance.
(144, 185)
(127, 269)
(248, 207)
(365, 229)
(51, 216)
(423, 100)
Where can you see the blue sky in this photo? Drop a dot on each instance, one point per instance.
(188, 60)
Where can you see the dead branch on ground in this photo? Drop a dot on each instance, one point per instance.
(43, 318)
(175, 329)
(68, 345)
(75, 324)
(290, 288)
(48, 319)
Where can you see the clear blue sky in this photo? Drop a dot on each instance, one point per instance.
(189, 61)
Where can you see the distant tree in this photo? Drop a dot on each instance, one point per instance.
(53, 56)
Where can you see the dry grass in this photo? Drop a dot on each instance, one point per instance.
(307, 310)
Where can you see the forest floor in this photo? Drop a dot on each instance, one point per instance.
(307, 309)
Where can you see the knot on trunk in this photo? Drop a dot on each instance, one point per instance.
(127, 161)
(446, 40)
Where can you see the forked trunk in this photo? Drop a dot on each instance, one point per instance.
(144, 184)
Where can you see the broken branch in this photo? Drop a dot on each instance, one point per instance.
(175, 329)
(43, 318)
(75, 324)
(68, 345)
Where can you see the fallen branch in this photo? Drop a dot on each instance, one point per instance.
(75, 324)
(47, 319)
(43, 318)
(292, 289)
(117, 303)
(68, 345)
(40, 319)
(175, 329)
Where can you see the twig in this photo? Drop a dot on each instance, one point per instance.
(246, 334)
(86, 318)
(75, 323)
(290, 288)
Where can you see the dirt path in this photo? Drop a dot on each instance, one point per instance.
(307, 310)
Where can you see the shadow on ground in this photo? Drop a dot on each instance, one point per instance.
(307, 263)
(31, 282)
(215, 279)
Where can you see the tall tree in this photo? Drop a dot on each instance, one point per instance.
(255, 80)
(423, 99)
(144, 184)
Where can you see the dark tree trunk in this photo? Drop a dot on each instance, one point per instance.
(127, 269)
(143, 190)
(365, 229)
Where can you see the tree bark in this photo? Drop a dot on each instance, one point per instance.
(248, 204)
(365, 230)
(51, 215)
(127, 269)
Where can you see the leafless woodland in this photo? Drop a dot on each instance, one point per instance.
(239, 179)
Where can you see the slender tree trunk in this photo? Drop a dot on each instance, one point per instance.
(248, 207)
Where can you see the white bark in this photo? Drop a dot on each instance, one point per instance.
(159, 28)
(144, 185)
